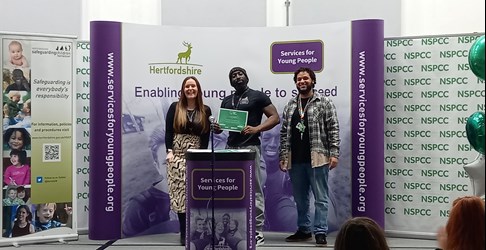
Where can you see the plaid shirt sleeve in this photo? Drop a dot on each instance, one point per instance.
(332, 128)
(324, 127)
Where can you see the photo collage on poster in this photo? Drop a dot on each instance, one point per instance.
(19, 216)
(230, 231)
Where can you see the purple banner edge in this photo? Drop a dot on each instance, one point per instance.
(368, 36)
(105, 38)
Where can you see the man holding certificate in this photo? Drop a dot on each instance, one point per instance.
(241, 113)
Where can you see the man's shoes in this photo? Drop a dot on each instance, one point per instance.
(260, 240)
(321, 240)
(299, 236)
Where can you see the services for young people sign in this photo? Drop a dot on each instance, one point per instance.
(38, 132)
(132, 92)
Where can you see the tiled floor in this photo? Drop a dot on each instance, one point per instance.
(273, 241)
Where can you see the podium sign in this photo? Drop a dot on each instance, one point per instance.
(221, 195)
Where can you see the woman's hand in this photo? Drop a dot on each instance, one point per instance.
(216, 128)
(169, 156)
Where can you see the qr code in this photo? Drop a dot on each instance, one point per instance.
(51, 152)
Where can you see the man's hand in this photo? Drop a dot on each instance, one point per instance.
(333, 162)
(249, 130)
(283, 166)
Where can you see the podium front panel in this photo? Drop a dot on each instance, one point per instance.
(219, 190)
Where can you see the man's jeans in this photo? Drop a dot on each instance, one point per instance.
(303, 177)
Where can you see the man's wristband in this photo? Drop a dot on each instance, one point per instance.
(169, 151)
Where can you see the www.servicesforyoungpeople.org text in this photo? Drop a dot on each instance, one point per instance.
(110, 136)
(362, 123)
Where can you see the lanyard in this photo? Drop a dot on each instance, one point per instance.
(302, 110)
(237, 104)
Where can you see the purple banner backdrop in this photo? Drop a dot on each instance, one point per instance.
(105, 131)
(288, 56)
(230, 207)
(368, 119)
(114, 216)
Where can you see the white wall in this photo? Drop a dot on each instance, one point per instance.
(214, 13)
(41, 16)
(435, 17)
(131, 11)
(277, 13)
(402, 17)
(319, 11)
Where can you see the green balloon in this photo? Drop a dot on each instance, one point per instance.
(476, 57)
(475, 131)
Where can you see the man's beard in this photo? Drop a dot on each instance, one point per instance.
(240, 86)
(305, 91)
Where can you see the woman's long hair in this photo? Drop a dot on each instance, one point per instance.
(465, 227)
(180, 119)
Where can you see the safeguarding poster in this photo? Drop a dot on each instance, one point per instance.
(37, 129)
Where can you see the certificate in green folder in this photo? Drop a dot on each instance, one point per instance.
(232, 119)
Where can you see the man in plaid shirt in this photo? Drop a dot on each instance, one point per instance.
(309, 148)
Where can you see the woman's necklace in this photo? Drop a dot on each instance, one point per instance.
(190, 115)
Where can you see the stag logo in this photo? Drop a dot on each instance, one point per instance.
(186, 54)
(180, 67)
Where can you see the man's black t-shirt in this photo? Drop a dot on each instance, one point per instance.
(254, 102)
(300, 146)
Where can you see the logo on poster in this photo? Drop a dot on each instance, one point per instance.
(62, 50)
(186, 54)
(39, 179)
(182, 65)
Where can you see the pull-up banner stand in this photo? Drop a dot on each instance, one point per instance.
(38, 135)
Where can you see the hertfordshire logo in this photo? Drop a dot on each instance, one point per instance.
(186, 55)
(180, 67)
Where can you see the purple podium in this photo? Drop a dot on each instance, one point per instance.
(220, 199)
